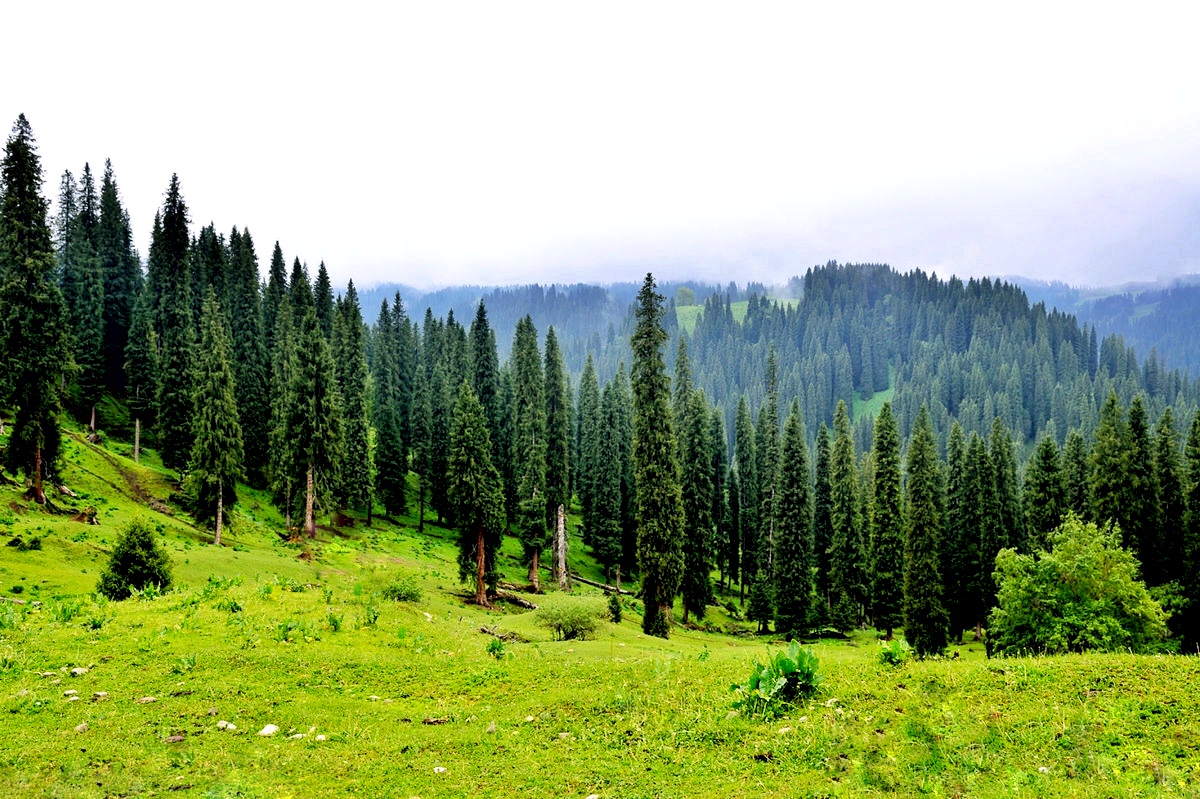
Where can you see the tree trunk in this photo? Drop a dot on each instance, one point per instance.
(39, 496)
(534, 580)
(287, 507)
(220, 512)
(93, 424)
(310, 524)
(420, 508)
(617, 582)
(560, 553)
(137, 439)
(480, 566)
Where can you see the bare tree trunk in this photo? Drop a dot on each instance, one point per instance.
(534, 580)
(421, 507)
(220, 512)
(137, 439)
(560, 553)
(310, 524)
(480, 566)
(93, 424)
(287, 506)
(39, 496)
(617, 582)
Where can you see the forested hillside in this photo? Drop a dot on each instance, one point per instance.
(860, 454)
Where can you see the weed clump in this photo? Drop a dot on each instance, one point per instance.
(571, 617)
(775, 686)
(404, 590)
(894, 653)
(137, 563)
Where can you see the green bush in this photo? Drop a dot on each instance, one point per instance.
(894, 653)
(571, 617)
(775, 686)
(614, 608)
(1084, 594)
(137, 563)
(404, 590)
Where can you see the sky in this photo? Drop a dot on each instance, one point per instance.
(494, 143)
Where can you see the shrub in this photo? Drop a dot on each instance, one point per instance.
(774, 687)
(571, 617)
(1084, 594)
(137, 562)
(894, 653)
(404, 590)
(614, 608)
(495, 648)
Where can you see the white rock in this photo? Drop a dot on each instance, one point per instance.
(72, 699)
(439, 769)
(231, 728)
(70, 692)
(82, 727)
(320, 738)
(564, 735)
(592, 796)
(1044, 769)
(222, 725)
(372, 698)
(784, 730)
(296, 737)
(491, 728)
(529, 718)
(146, 700)
(268, 730)
(49, 673)
(78, 671)
(99, 696)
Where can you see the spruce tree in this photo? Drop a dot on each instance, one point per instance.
(590, 445)
(441, 413)
(1077, 474)
(476, 494)
(251, 363)
(529, 444)
(323, 302)
(887, 526)
(351, 359)
(925, 618)
(766, 451)
(1045, 495)
(1140, 524)
(793, 546)
(284, 365)
(623, 450)
(845, 546)
(274, 294)
(141, 367)
(660, 504)
(177, 332)
(558, 432)
(960, 536)
(215, 464)
(1008, 491)
(823, 521)
(83, 290)
(746, 468)
(390, 459)
(697, 490)
(1172, 507)
(606, 536)
(1188, 623)
(122, 276)
(34, 334)
(484, 365)
(1109, 484)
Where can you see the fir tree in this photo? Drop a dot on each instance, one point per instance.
(960, 536)
(793, 546)
(1172, 507)
(1140, 522)
(606, 535)
(1109, 484)
(1011, 519)
(323, 302)
(251, 365)
(823, 520)
(925, 618)
(697, 489)
(660, 504)
(390, 458)
(284, 365)
(83, 290)
(1188, 623)
(484, 365)
(887, 526)
(420, 423)
(590, 445)
(351, 361)
(215, 464)
(766, 450)
(845, 546)
(558, 432)
(34, 335)
(141, 365)
(476, 494)
(529, 444)
(169, 265)
(1077, 474)
(274, 294)
(122, 276)
(623, 449)
(1045, 495)
(746, 467)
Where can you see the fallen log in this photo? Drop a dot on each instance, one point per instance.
(594, 584)
(513, 599)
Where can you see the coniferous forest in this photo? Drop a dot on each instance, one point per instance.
(856, 454)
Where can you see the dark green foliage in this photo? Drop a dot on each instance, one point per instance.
(141, 360)
(1084, 594)
(137, 562)
(846, 561)
(529, 443)
(960, 536)
(391, 461)
(274, 294)
(1140, 524)
(251, 364)
(697, 490)
(794, 590)
(558, 432)
(1045, 494)
(215, 464)
(350, 358)
(323, 302)
(34, 332)
(476, 494)
(606, 534)
(83, 289)
(925, 617)
(776, 686)
(823, 519)
(483, 363)
(1011, 516)
(589, 447)
(122, 278)
(622, 427)
(284, 365)
(1077, 474)
(766, 453)
(1172, 508)
(1109, 483)
(660, 505)
(887, 526)
(1189, 549)
(169, 272)
(746, 469)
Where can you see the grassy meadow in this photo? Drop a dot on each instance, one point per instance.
(385, 697)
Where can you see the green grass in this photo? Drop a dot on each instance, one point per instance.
(255, 635)
(870, 407)
(688, 315)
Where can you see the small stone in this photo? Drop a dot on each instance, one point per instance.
(529, 718)
(1044, 769)
(222, 725)
(99, 696)
(320, 738)
(298, 736)
(56, 681)
(49, 673)
(802, 719)
(212, 711)
(733, 714)
(70, 692)
(174, 739)
(439, 769)
(72, 698)
(146, 700)
(268, 730)
(231, 728)
(784, 730)
(564, 735)
(372, 698)
(592, 796)
(491, 728)
(78, 671)
(82, 727)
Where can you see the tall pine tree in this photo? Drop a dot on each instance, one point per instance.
(887, 526)
(476, 494)
(529, 444)
(925, 618)
(793, 546)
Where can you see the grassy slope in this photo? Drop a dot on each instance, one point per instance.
(622, 715)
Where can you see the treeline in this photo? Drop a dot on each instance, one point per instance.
(761, 473)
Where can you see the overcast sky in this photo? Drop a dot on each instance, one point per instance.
(497, 142)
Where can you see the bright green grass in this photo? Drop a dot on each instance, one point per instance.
(312, 646)
(690, 314)
(870, 407)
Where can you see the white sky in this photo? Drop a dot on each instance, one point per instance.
(498, 142)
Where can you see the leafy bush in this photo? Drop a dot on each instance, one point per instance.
(894, 653)
(774, 687)
(137, 562)
(571, 617)
(495, 648)
(614, 608)
(1084, 594)
(404, 590)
